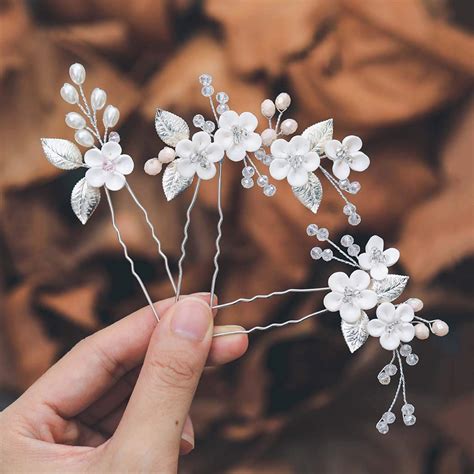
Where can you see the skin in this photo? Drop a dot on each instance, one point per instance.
(119, 400)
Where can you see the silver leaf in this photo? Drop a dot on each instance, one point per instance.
(173, 182)
(310, 194)
(355, 334)
(170, 127)
(318, 134)
(62, 153)
(84, 200)
(390, 288)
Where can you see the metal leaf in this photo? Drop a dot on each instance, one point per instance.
(390, 288)
(355, 334)
(318, 134)
(311, 194)
(170, 127)
(173, 182)
(84, 200)
(62, 153)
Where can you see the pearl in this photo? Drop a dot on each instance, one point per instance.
(415, 303)
(440, 328)
(111, 116)
(289, 126)
(421, 331)
(282, 101)
(75, 120)
(153, 166)
(77, 73)
(84, 138)
(268, 136)
(268, 108)
(98, 99)
(69, 93)
(166, 155)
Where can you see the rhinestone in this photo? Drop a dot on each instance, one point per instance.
(327, 255)
(205, 79)
(207, 91)
(221, 108)
(198, 120)
(316, 253)
(388, 417)
(312, 229)
(247, 183)
(114, 137)
(248, 172)
(391, 369)
(349, 209)
(260, 154)
(353, 250)
(209, 126)
(412, 359)
(322, 234)
(409, 420)
(354, 219)
(347, 240)
(382, 427)
(269, 190)
(405, 350)
(222, 97)
(408, 409)
(354, 187)
(262, 180)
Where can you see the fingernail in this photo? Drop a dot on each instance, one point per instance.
(191, 319)
(228, 328)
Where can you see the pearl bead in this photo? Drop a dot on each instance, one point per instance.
(166, 155)
(77, 73)
(415, 303)
(84, 138)
(268, 108)
(440, 328)
(98, 98)
(268, 136)
(289, 126)
(69, 93)
(422, 332)
(75, 120)
(111, 116)
(153, 166)
(282, 101)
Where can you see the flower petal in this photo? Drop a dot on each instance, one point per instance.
(248, 121)
(367, 299)
(114, 181)
(350, 313)
(206, 173)
(378, 271)
(332, 301)
(252, 142)
(386, 313)
(338, 282)
(124, 164)
(359, 279)
(297, 177)
(185, 168)
(279, 148)
(94, 157)
(298, 145)
(236, 152)
(364, 261)
(214, 153)
(360, 161)
(331, 147)
(375, 242)
(405, 313)
(375, 327)
(340, 169)
(352, 143)
(184, 148)
(391, 256)
(279, 168)
(311, 161)
(201, 140)
(390, 341)
(229, 119)
(95, 177)
(111, 150)
(406, 332)
(224, 138)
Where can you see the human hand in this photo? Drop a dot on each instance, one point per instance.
(119, 400)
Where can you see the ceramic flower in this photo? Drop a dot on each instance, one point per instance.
(108, 166)
(346, 156)
(293, 160)
(376, 259)
(350, 295)
(236, 134)
(392, 325)
(198, 155)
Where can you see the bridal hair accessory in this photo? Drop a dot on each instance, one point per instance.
(368, 289)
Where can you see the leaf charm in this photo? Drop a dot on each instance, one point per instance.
(390, 288)
(62, 153)
(173, 182)
(355, 334)
(310, 194)
(170, 127)
(84, 200)
(318, 134)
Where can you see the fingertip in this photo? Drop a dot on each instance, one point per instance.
(225, 349)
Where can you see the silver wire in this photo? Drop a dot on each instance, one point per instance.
(125, 251)
(219, 233)
(92, 118)
(334, 183)
(402, 377)
(343, 252)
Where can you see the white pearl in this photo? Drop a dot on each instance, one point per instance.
(153, 166)
(111, 116)
(75, 120)
(440, 328)
(268, 136)
(289, 126)
(77, 73)
(98, 98)
(166, 155)
(69, 93)
(84, 138)
(268, 108)
(415, 303)
(282, 101)
(421, 331)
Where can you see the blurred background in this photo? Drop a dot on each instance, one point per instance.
(398, 73)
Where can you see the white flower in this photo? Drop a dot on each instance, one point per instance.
(346, 156)
(107, 166)
(376, 259)
(293, 160)
(198, 156)
(392, 325)
(236, 134)
(350, 295)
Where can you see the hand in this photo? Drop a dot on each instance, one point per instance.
(119, 400)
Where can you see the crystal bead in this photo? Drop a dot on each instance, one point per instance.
(354, 219)
(343, 184)
(349, 209)
(405, 350)
(412, 359)
(408, 409)
(209, 126)
(221, 108)
(260, 154)
(205, 79)
(222, 97)
(269, 190)
(267, 160)
(353, 250)
(248, 171)
(409, 420)
(327, 255)
(382, 427)
(347, 240)
(383, 378)
(322, 234)
(262, 180)
(354, 187)
(114, 137)
(312, 229)
(391, 369)
(389, 417)
(198, 120)
(247, 183)
(316, 253)
(207, 91)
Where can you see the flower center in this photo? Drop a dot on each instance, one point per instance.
(389, 328)
(200, 159)
(239, 134)
(296, 161)
(376, 256)
(108, 165)
(342, 153)
(350, 294)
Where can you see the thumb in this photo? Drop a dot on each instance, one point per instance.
(150, 431)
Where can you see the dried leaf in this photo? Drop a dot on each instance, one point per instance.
(311, 194)
(390, 288)
(62, 153)
(170, 127)
(84, 200)
(355, 334)
(318, 134)
(173, 182)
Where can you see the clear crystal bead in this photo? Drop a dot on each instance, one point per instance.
(221, 108)
(353, 250)
(382, 427)
(354, 219)
(222, 97)
(412, 359)
(354, 187)
(409, 420)
(408, 409)
(267, 160)
(114, 137)
(322, 234)
(349, 209)
(248, 171)
(316, 253)
(198, 120)
(205, 79)
(260, 154)
(269, 190)
(343, 184)
(207, 91)
(405, 350)
(209, 126)
(383, 378)
(262, 180)
(389, 417)
(312, 229)
(247, 183)
(347, 240)
(327, 255)
(391, 369)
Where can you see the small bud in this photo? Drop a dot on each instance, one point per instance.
(282, 101)
(153, 166)
(166, 155)
(98, 98)
(289, 126)
(84, 138)
(69, 93)
(268, 108)
(111, 116)
(268, 136)
(77, 73)
(75, 120)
